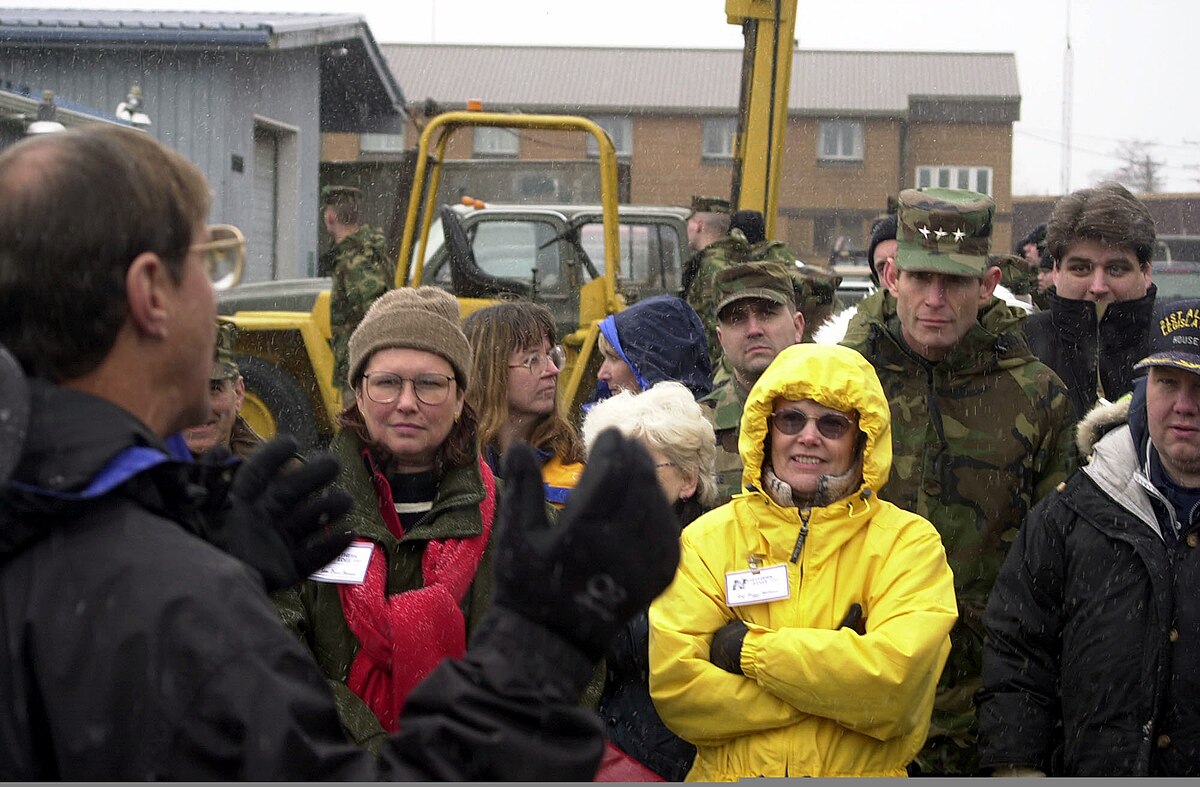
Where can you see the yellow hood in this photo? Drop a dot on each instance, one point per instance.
(834, 376)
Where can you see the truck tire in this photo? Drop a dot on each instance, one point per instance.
(276, 404)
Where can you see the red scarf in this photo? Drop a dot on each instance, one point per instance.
(403, 637)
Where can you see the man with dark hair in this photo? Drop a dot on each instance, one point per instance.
(981, 430)
(1091, 665)
(882, 246)
(1098, 319)
(756, 320)
(134, 650)
(360, 268)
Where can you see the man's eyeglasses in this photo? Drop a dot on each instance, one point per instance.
(831, 425)
(385, 387)
(536, 362)
(224, 255)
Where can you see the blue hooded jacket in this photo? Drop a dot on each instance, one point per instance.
(661, 338)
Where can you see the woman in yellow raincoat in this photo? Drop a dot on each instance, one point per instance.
(809, 621)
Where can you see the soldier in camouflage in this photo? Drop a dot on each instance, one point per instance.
(1016, 275)
(361, 271)
(756, 320)
(814, 286)
(981, 429)
(224, 427)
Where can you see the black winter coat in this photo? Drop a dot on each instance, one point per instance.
(134, 650)
(1092, 660)
(1067, 338)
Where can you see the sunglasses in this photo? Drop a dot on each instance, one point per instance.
(831, 425)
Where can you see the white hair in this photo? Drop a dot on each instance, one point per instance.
(668, 419)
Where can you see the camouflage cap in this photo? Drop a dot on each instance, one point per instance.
(711, 205)
(944, 231)
(769, 281)
(340, 195)
(1175, 336)
(224, 366)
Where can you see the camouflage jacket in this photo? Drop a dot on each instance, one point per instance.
(814, 286)
(977, 439)
(362, 272)
(723, 409)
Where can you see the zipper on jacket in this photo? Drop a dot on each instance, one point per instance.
(804, 515)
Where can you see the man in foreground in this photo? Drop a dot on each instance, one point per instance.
(134, 650)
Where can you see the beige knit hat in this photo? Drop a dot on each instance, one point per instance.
(423, 318)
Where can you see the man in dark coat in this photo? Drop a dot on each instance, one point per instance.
(1097, 322)
(1091, 665)
(138, 641)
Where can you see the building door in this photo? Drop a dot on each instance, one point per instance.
(263, 239)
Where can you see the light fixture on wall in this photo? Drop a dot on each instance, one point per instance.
(46, 122)
(130, 110)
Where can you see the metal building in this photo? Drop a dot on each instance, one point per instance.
(244, 96)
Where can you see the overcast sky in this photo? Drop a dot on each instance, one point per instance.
(1133, 62)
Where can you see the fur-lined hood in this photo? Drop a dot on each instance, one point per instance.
(1099, 421)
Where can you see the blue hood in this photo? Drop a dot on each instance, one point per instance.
(661, 338)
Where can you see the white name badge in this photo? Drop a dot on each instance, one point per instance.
(350, 567)
(756, 587)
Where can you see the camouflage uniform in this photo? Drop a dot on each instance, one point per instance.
(814, 286)
(723, 409)
(978, 438)
(1016, 275)
(362, 272)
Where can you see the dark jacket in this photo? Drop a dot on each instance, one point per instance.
(629, 715)
(1091, 615)
(661, 338)
(1091, 358)
(133, 650)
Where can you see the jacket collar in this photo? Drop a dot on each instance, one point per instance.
(459, 488)
(1076, 320)
(78, 449)
(996, 339)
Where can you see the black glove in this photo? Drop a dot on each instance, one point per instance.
(614, 548)
(854, 620)
(726, 648)
(272, 522)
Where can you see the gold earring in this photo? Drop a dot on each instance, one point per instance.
(457, 417)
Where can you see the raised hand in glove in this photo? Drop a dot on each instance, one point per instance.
(274, 520)
(725, 651)
(614, 548)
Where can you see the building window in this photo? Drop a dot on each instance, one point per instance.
(620, 131)
(381, 143)
(833, 232)
(840, 140)
(719, 137)
(496, 142)
(947, 177)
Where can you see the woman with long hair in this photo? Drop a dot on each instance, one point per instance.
(514, 389)
(417, 579)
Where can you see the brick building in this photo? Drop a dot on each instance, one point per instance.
(862, 125)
